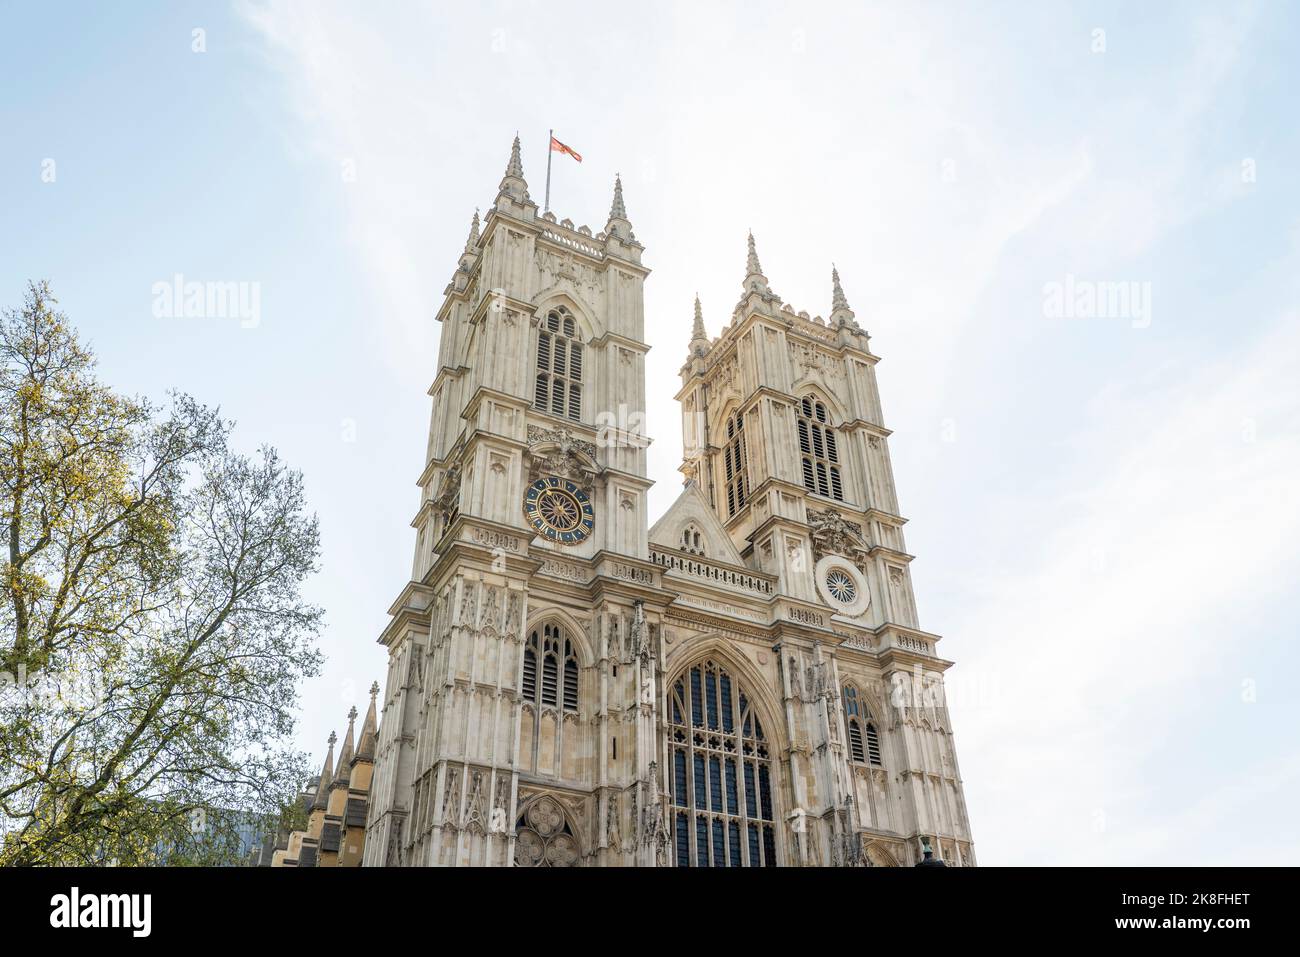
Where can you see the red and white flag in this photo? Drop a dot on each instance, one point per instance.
(558, 147)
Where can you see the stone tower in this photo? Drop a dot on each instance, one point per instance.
(785, 441)
(519, 650)
(744, 684)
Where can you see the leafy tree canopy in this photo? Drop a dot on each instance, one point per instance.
(152, 631)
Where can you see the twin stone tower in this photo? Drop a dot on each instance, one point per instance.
(742, 684)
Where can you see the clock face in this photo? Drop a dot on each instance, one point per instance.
(559, 510)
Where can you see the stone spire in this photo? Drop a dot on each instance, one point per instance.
(837, 294)
(618, 226)
(471, 244)
(752, 266)
(470, 254)
(755, 281)
(326, 775)
(369, 729)
(841, 314)
(515, 167)
(513, 185)
(699, 338)
(617, 210)
(343, 771)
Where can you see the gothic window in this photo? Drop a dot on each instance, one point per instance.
(819, 450)
(543, 837)
(692, 540)
(721, 774)
(555, 654)
(733, 459)
(864, 740)
(558, 388)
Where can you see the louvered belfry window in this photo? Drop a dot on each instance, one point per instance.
(720, 775)
(733, 460)
(552, 654)
(558, 388)
(864, 740)
(819, 450)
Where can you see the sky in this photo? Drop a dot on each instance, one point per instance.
(1101, 492)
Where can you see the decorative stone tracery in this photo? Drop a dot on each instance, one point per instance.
(544, 837)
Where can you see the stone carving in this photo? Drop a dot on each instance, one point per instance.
(543, 838)
(559, 569)
(448, 494)
(499, 808)
(451, 799)
(654, 823)
(562, 268)
(613, 826)
(556, 452)
(495, 540)
(474, 820)
(514, 614)
(832, 535)
(468, 603)
(631, 573)
(724, 379)
(808, 359)
(804, 617)
(638, 632)
(491, 609)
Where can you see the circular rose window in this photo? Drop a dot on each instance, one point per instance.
(842, 586)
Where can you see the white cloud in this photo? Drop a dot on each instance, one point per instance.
(829, 130)
(1184, 503)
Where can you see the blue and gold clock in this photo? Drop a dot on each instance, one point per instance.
(559, 510)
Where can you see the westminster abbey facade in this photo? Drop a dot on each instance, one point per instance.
(743, 683)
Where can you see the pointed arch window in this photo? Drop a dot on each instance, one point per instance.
(734, 464)
(692, 540)
(864, 739)
(819, 450)
(721, 774)
(544, 838)
(558, 387)
(549, 654)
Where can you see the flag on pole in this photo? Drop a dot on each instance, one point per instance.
(558, 147)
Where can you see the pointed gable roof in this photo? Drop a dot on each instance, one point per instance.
(326, 776)
(692, 507)
(369, 729)
(343, 771)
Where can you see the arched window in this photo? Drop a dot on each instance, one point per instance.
(864, 740)
(721, 774)
(819, 450)
(733, 458)
(555, 653)
(692, 540)
(559, 366)
(543, 837)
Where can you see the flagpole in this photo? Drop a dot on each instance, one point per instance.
(550, 136)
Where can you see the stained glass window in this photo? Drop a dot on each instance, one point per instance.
(722, 774)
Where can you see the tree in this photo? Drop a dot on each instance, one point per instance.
(152, 631)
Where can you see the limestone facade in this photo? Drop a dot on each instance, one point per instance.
(743, 684)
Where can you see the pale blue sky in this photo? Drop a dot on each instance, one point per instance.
(1104, 511)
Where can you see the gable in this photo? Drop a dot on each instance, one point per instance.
(692, 508)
